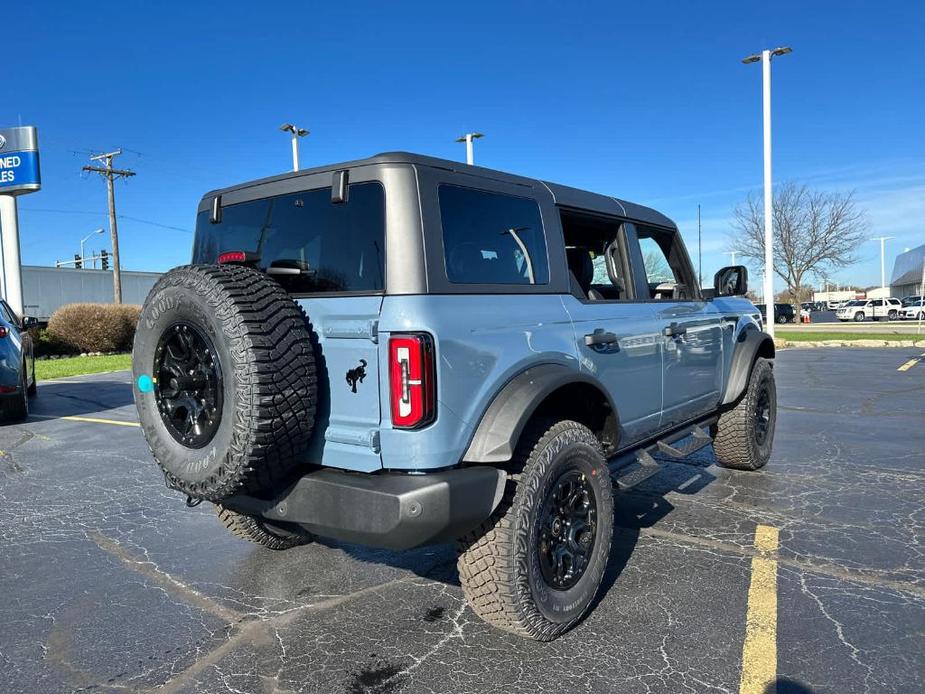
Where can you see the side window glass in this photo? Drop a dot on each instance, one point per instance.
(659, 276)
(877, 302)
(491, 238)
(6, 314)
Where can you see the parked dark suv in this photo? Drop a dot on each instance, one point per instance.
(405, 350)
(783, 313)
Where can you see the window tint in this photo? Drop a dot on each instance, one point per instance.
(491, 238)
(5, 313)
(303, 240)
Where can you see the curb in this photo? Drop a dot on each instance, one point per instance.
(788, 344)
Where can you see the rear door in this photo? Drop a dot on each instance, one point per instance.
(327, 250)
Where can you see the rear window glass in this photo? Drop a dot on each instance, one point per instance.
(303, 240)
(491, 238)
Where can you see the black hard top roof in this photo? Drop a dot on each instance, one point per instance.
(563, 195)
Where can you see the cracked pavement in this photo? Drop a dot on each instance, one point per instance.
(111, 584)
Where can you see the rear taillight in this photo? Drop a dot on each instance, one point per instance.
(412, 380)
(3, 331)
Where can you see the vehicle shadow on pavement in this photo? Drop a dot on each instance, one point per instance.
(634, 510)
(63, 399)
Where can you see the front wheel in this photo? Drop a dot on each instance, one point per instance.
(743, 436)
(859, 317)
(534, 567)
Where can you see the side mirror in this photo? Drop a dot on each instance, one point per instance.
(731, 281)
(29, 322)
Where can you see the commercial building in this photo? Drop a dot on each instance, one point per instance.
(908, 270)
(45, 289)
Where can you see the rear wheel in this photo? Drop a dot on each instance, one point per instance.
(743, 436)
(261, 532)
(892, 315)
(535, 566)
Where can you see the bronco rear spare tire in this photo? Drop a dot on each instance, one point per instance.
(225, 381)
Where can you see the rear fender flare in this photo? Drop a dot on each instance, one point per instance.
(749, 345)
(499, 429)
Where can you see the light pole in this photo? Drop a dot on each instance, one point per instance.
(765, 57)
(92, 233)
(882, 240)
(468, 138)
(296, 134)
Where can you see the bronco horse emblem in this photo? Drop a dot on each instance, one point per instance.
(356, 375)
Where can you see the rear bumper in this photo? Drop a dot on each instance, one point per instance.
(391, 510)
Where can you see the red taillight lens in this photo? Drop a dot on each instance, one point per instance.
(3, 331)
(411, 380)
(232, 257)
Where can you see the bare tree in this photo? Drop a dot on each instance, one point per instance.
(815, 232)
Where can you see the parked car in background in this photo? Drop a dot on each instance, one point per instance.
(913, 308)
(861, 309)
(783, 313)
(17, 364)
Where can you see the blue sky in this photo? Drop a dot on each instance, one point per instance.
(646, 101)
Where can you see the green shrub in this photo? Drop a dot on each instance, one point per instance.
(45, 344)
(94, 327)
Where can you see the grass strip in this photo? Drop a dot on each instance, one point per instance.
(78, 366)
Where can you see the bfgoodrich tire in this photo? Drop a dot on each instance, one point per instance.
(535, 566)
(225, 381)
(743, 437)
(260, 532)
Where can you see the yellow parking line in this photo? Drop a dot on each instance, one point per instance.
(912, 362)
(759, 652)
(92, 420)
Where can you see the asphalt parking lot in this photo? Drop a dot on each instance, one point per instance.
(110, 583)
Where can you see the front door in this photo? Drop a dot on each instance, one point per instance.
(690, 330)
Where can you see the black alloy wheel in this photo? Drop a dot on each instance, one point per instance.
(568, 527)
(762, 416)
(189, 385)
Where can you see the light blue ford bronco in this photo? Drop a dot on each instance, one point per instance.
(404, 350)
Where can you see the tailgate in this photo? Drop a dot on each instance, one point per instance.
(346, 433)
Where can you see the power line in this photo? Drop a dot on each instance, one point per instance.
(110, 174)
(100, 214)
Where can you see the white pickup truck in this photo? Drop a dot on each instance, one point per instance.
(862, 309)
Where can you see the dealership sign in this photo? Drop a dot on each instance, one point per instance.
(19, 161)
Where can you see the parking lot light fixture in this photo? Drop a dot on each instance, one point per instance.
(765, 58)
(296, 134)
(468, 138)
(882, 240)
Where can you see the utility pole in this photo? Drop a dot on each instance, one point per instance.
(882, 240)
(110, 174)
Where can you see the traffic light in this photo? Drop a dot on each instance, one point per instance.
(104, 259)
(78, 261)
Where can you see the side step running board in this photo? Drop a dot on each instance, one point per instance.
(699, 439)
(630, 469)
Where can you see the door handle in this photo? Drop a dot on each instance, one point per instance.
(600, 337)
(674, 330)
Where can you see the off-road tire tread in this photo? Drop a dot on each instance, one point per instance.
(732, 435)
(276, 393)
(488, 557)
(253, 530)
